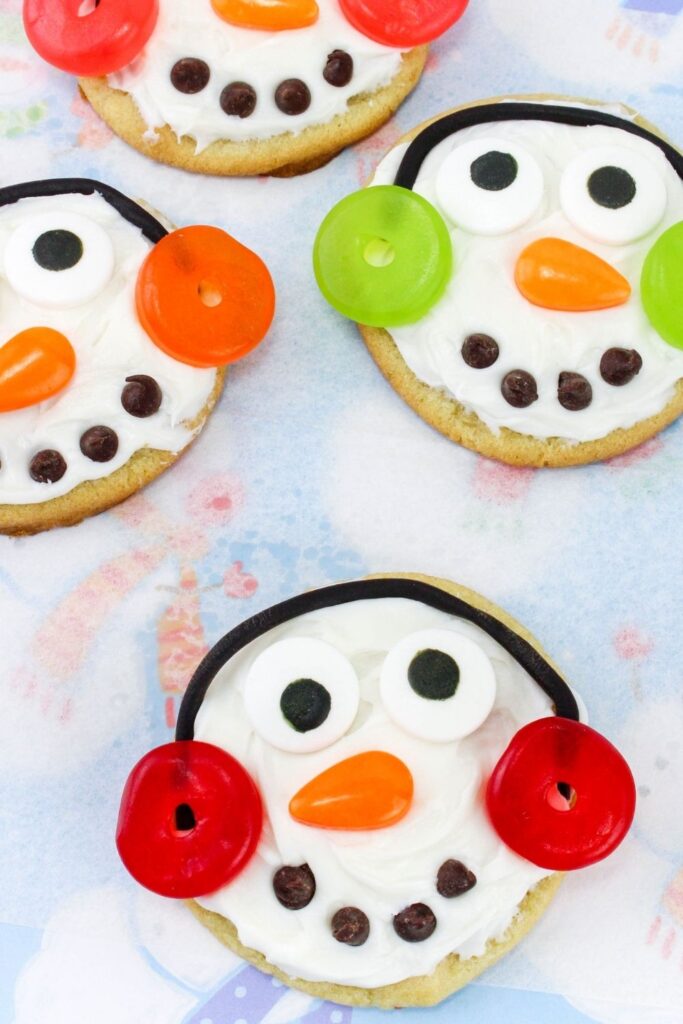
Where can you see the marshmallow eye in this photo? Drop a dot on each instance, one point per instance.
(489, 187)
(438, 685)
(59, 261)
(613, 195)
(301, 695)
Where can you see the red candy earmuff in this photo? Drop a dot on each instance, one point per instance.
(89, 38)
(561, 795)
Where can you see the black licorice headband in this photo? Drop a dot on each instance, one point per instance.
(362, 590)
(128, 208)
(490, 113)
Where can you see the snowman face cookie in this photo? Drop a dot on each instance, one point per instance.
(96, 362)
(370, 717)
(189, 75)
(557, 314)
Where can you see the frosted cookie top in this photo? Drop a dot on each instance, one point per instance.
(209, 79)
(96, 360)
(527, 262)
(349, 777)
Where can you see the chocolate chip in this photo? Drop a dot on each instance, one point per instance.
(339, 68)
(57, 250)
(494, 171)
(433, 674)
(141, 395)
(480, 351)
(238, 99)
(612, 187)
(416, 923)
(190, 75)
(47, 467)
(519, 389)
(453, 879)
(574, 392)
(294, 887)
(293, 96)
(350, 926)
(619, 366)
(100, 444)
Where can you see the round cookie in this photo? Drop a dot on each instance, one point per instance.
(528, 189)
(234, 88)
(355, 874)
(102, 382)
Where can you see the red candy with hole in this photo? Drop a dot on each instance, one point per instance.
(403, 23)
(190, 819)
(526, 795)
(204, 298)
(85, 38)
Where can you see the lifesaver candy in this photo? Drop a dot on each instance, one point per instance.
(383, 256)
(190, 819)
(661, 285)
(405, 23)
(561, 795)
(89, 38)
(204, 298)
(267, 15)
(34, 365)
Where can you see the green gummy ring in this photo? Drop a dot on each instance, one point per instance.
(405, 234)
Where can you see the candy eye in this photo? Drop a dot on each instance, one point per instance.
(438, 685)
(489, 187)
(301, 695)
(59, 260)
(612, 195)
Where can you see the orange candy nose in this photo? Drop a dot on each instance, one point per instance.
(557, 274)
(368, 791)
(34, 365)
(267, 15)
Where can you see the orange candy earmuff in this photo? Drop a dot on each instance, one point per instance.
(203, 298)
(34, 365)
(268, 16)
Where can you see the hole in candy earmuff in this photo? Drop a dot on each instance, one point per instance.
(210, 294)
(184, 819)
(87, 7)
(379, 253)
(562, 796)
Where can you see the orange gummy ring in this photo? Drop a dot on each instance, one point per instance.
(271, 16)
(203, 298)
(34, 365)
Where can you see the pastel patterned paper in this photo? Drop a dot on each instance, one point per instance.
(312, 471)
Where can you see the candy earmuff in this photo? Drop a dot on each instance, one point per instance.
(190, 819)
(661, 285)
(410, 23)
(204, 298)
(561, 795)
(268, 16)
(383, 256)
(89, 38)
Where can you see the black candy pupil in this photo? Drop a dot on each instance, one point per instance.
(305, 704)
(612, 187)
(494, 171)
(434, 675)
(57, 250)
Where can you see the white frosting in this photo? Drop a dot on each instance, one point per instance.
(380, 872)
(482, 297)
(188, 28)
(110, 345)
